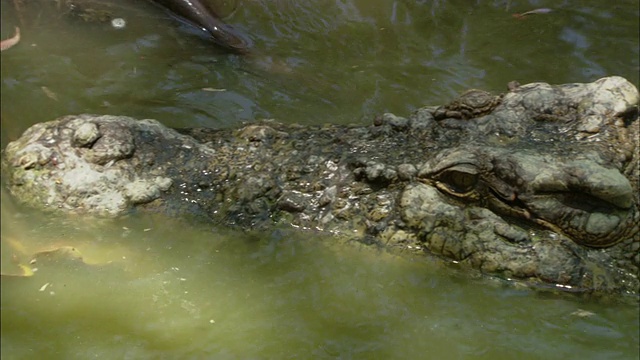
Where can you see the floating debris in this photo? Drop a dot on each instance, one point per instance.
(10, 42)
(44, 287)
(118, 23)
(50, 94)
(582, 313)
(532, 12)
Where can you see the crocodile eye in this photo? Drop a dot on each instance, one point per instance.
(459, 179)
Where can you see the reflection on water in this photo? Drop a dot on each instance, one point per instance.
(149, 288)
(313, 62)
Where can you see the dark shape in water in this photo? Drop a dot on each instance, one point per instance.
(201, 15)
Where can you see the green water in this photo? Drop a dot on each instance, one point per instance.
(171, 292)
(149, 287)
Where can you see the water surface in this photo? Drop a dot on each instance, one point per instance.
(314, 61)
(150, 287)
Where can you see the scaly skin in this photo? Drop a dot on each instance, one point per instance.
(543, 188)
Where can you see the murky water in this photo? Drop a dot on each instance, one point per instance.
(145, 288)
(149, 288)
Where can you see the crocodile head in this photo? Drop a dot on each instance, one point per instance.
(535, 189)
(573, 194)
(562, 219)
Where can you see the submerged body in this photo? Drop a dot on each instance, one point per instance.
(201, 15)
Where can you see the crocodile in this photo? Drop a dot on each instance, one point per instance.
(538, 185)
